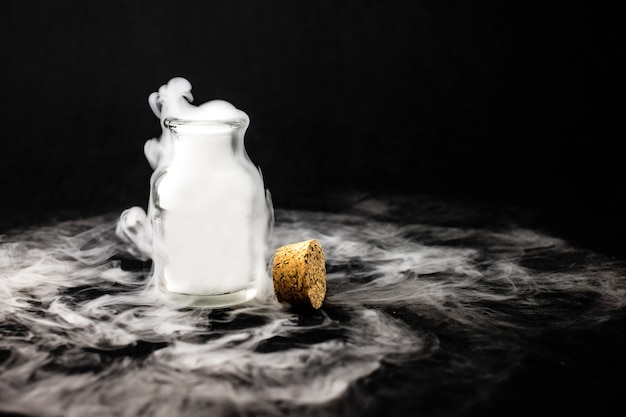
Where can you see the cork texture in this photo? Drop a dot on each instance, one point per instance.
(299, 273)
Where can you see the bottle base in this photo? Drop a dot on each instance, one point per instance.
(208, 300)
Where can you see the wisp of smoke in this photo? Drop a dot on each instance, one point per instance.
(84, 333)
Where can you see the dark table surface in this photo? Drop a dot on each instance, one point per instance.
(433, 308)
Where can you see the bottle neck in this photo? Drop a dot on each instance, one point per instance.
(215, 150)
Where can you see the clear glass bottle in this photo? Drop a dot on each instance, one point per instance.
(210, 216)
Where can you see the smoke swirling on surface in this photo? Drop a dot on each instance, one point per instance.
(417, 298)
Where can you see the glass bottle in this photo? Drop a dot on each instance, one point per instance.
(210, 216)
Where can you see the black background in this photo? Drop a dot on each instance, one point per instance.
(505, 102)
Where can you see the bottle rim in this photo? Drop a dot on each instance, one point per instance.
(181, 125)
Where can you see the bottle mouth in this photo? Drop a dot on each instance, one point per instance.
(200, 127)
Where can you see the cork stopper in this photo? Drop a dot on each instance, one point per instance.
(299, 273)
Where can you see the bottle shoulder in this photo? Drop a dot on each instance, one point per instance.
(173, 188)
